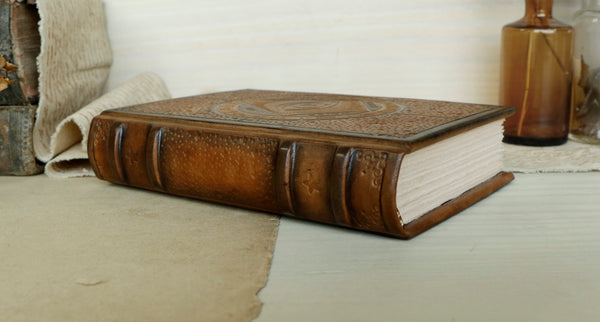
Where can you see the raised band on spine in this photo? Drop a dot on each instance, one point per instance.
(91, 149)
(339, 185)
(116, 140)
(153, 146)
(285, 168)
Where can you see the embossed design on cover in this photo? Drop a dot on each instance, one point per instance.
(379, 116)
(307, 109)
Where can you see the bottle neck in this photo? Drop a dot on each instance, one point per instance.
(538, 13)
(539, 9)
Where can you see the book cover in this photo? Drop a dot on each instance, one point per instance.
(392, 166)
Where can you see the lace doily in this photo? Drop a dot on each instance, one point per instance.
(569, 157)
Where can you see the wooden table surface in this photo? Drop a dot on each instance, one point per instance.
(530, 252)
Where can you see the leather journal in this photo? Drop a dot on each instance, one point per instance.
(391, 166)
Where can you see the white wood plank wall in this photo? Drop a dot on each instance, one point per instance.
(378, 47)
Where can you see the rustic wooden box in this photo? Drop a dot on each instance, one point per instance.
(19, 45)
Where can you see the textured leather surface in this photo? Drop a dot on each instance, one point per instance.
(375, 117)
(344, 180)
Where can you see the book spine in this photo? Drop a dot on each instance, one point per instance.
(327, 182)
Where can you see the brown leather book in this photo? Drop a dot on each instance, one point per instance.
(386, 165)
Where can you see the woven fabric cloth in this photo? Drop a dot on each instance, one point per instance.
(86, 250)
(569, 157)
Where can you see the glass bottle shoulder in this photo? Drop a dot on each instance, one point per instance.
(538, 24)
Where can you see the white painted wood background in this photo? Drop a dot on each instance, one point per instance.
(438, 49)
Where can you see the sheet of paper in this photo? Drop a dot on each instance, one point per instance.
(86, 250)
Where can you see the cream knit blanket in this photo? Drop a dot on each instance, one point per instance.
(74, 64)
(72, 133)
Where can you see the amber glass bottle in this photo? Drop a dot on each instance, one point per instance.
(536, 75)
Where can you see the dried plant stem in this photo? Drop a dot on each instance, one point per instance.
(6, 67)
